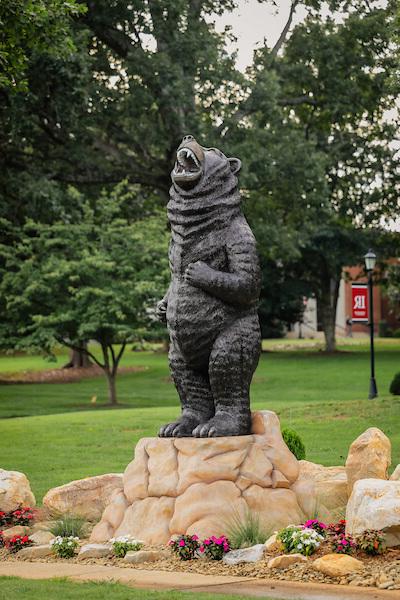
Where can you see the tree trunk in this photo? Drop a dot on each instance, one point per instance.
(327, 305)
(112, 389)
(78, 359)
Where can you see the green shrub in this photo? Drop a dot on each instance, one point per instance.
(372, 542)
(68, 526)
(395, 385)
(384, 329)
(300, 539)
(215, 548)
(124, 544)
(396, 333)
(64, 547)
(294, 442)
(186, 547)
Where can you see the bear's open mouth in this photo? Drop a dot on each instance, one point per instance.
(187, 165)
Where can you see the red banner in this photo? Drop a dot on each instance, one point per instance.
(359, 303)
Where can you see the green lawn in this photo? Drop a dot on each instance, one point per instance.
(13, 588)
(322, 397)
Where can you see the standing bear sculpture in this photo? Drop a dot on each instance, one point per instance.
(211, 305)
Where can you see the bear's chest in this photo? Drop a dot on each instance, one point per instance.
(211, 250)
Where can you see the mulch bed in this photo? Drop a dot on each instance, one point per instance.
(382, 571)
(61, 375)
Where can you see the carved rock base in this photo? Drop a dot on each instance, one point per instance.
(193, 485)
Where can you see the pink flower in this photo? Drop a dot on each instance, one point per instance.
(226, 547)
(195, 537)
(182, 543)
(344, 542)
(201, 548)
(207, 542)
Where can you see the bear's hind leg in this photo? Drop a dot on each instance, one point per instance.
(195, 395)
(233, 361)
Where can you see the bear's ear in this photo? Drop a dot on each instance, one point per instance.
(235, 165)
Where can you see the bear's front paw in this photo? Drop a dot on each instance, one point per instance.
(197, 273)
(161, 311)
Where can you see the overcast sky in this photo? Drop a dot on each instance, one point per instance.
(252, 22)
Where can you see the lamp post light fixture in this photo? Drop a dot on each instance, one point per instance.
(370, 262)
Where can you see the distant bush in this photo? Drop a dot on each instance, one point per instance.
(396, 333)
(395, 385)
(384, 329)
(294, 442)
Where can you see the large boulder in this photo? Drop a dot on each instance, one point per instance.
(85, 498)
(194, 485)
(321, 490)
(369, 457)
(15, 491)
(337, 565)
(375, 504)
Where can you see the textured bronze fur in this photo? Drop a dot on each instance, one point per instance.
(211, 304)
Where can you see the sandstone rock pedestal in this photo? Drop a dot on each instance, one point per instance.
(195, 485)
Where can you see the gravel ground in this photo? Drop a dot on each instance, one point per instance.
(382, 572)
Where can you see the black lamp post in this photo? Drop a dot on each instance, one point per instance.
(370, 261)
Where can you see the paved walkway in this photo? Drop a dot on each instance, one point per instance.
(194, 582)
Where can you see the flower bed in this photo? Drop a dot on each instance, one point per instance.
(381, 570)
(20, 516)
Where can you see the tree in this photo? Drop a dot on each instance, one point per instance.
(143, 73)
(28, 27)
(337, 80)
(95, 279)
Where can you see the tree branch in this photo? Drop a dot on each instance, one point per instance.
(117, 358)
(285, 31)
(64, 342)
(296, 101)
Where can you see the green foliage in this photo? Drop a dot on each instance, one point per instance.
(68, 526)
(214, 548)
(245, 531)
(384, 329)
(286, 536)
(300, 540)
(395, 385)
(64, 547)
(372, 542)
(186, 547)
(124, 544)
(29, 27)
(98, 279)
(110, 111)
(294, 442)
